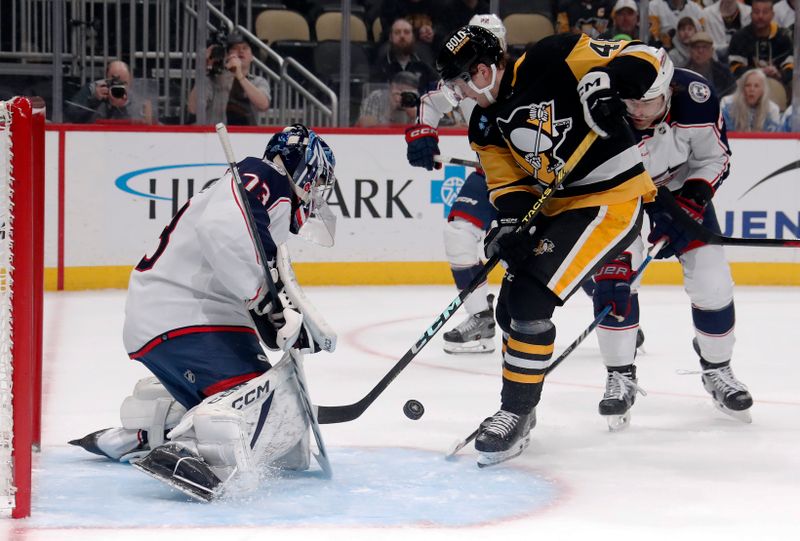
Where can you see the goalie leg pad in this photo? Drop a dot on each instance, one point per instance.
(151, 408)
(244, 428)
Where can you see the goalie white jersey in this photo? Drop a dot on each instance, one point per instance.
(179, 288)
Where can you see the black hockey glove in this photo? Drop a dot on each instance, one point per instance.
(613, 286)
(515, 248)
(692, 199)
(603, 109)
(423, 145)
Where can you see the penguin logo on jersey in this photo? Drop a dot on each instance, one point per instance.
(534, 134)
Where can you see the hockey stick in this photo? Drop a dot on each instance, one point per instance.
(570, 348)
(322, 457)
(225, 140)
(710, 237)
(456, 161)
(341, 414)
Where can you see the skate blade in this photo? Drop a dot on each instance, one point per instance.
(743, 415)
(180, 484)
(617, 423)
(484, 345)
(486, 460)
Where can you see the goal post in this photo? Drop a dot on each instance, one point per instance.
(21, 284)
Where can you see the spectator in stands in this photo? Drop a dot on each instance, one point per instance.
(400, 55)
(784, 15)
(387, 106)
(625, 18)
(112, 98)
(786, 120)
(722, 20)
(687, 27)
(762, 44)
(701, 60)
(590, 17)
(422, 14)
(233, 94)
(749, 109)
(665, 15)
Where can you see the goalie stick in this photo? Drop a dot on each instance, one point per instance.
(710, 237)
(341, 414)
(322, 457)
(456, 447)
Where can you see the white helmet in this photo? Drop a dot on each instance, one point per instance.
(661, 86)
(493, 24)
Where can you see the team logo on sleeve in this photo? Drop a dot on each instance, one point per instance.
(699, 92)
(534, 134)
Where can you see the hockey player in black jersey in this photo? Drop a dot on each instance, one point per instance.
(684, 145)
(531, 116)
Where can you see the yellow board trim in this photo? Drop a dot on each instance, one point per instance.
(421, 273)
(522, 378)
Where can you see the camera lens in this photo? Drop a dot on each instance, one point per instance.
(118, 91)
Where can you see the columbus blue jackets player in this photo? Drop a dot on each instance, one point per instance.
(194, 312)
(530, 118)
(684, 145)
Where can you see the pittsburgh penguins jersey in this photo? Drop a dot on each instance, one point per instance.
(691, 142)
(525, 138)
(206, 270)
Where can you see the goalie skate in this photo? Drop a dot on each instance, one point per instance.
(621, 389)
(181, 469)
(502, 437)
(473, 335)
(114, 443)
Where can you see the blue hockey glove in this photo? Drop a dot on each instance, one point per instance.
(692, 199)
(613, 285)
(603, 109)
(515, 248)
(423, 145)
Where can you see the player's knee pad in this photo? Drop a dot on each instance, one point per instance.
(707, 277)
(461, 239)
(248, 426)
(151, 408)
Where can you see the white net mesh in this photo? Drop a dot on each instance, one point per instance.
(7, 488)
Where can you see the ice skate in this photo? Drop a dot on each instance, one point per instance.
(503, 436)
(621, 389)
(473, 335)
(729, 394)
(181, 469)
(115, 443)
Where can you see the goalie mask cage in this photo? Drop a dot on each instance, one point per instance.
(21, 284)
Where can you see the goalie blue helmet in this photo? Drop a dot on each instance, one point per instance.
(309, 161)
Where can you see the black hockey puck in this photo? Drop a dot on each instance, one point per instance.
(413, 409)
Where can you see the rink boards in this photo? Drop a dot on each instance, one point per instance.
(111, 190)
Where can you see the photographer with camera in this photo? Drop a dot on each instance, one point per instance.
(111, 99)
(396, 105)
(234, 95)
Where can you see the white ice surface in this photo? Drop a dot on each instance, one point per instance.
(682, 471)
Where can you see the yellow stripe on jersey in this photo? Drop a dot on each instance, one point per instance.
(618, 219)
(522, 378)
(640, 185)
(533, 349)
(591, 53)
(517, 64)
(499, 165)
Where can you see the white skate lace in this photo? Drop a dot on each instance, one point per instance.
(470, 324)
(502, 423)
(618, 384)
(722, 378)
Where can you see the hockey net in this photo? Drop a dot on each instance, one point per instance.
(21, 284)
